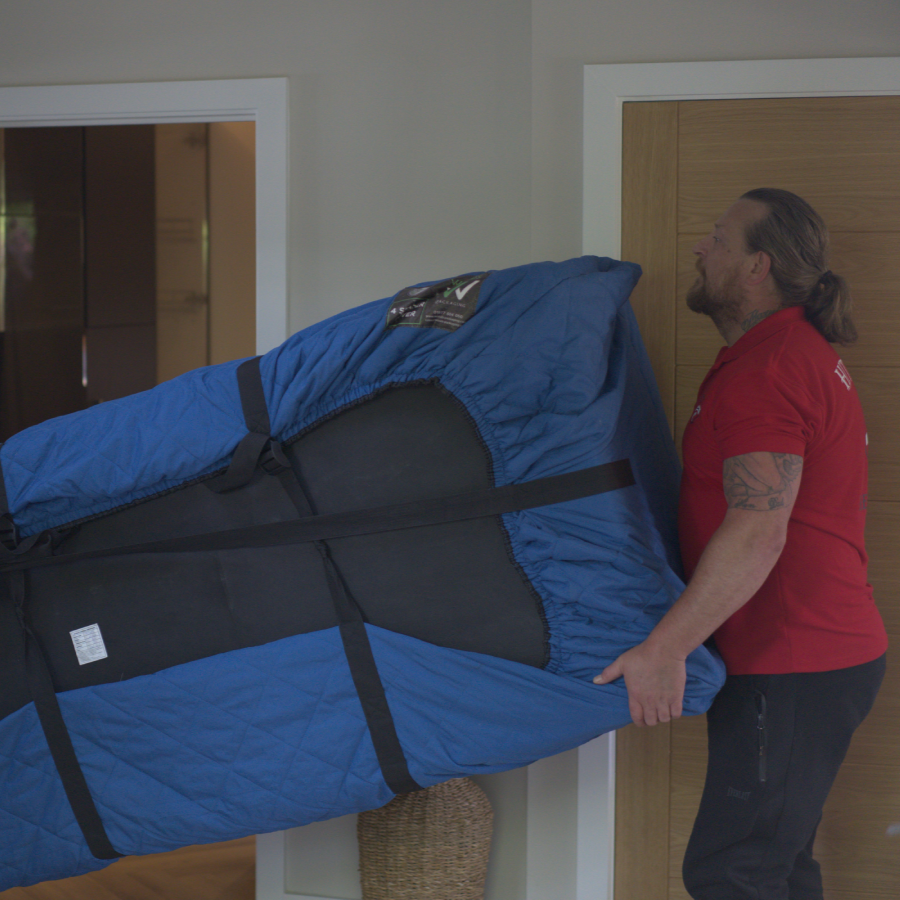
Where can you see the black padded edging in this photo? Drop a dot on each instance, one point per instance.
(507, 541)
(57, 735)
(488, 458)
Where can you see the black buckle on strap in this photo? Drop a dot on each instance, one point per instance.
(273, 461)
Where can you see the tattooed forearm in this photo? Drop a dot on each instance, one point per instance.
(761, 481)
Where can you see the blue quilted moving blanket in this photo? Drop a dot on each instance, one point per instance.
(533, 372)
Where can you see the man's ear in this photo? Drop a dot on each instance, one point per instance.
(761, 266)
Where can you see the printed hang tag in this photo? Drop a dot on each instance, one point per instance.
(447, 304)
(89, 646)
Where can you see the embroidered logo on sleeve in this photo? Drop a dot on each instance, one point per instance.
(696, 413)
(842, 373)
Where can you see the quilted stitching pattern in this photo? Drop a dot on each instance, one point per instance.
(250, 741)
(274, 736)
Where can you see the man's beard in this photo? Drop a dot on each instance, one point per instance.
(722, 304)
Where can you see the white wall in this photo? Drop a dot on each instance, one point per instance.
(569, 34)
(410, 119)
(429, 137)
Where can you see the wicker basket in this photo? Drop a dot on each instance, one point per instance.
(428, 845)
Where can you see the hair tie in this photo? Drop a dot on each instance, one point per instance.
(824, 275)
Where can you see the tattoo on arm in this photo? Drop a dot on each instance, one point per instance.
(761, 481)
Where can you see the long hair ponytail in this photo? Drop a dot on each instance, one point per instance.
(795, 238)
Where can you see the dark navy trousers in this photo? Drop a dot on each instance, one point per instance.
(776, 743)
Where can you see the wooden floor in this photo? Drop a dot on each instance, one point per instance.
(224, 871)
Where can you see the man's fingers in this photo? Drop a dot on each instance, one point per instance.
(637, 712)
(668, 710)
(655, 690)
(610, 673)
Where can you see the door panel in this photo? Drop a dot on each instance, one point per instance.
(41, 276)
(882, 541)
(649, 233)
(42, 281)
(869, 263)
(851, 840)
(879, 391)
(687, 775)
(843, 155)
(649, 173)
(698, 341)
(875, 742)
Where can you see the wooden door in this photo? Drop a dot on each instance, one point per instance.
(684, 164)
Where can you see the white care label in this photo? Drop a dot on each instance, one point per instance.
(89, 646)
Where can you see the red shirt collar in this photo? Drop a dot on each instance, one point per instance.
(760, 332)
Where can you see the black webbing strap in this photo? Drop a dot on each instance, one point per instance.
(360, 658)
(258, 448)
(253, 396)
(367, 681)
(488, 501)
(50, 716)
(256, 417)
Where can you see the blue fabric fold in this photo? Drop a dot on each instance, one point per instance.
(553, 373)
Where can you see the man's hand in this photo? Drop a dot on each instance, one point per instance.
(655, 681)
(760, 489)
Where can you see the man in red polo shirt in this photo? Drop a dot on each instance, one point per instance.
(771, 522)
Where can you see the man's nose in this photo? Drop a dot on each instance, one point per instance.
(701, 247)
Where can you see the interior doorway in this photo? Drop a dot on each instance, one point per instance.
(127, 258)
(264, 102)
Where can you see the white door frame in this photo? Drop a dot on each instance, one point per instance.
(260, 100)
(606, 88)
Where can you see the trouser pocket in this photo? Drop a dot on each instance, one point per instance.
(761, 735)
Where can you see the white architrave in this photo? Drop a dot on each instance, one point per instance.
(606, 88)
(271, 869)
(261, 100)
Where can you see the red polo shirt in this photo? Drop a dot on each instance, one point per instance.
(782, 388)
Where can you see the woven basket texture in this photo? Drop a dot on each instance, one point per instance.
(427, 845)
